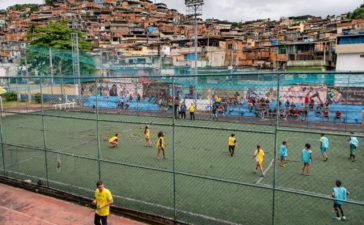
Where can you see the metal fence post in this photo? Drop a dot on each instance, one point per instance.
(98, 130)
(275, 153)
(44, 132)
(1, 135)
(173, 151)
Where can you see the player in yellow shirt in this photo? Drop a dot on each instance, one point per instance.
(192, 110)
(161, 146)
(114, 140)
(103, 200)
(259, 159)
(232, 143)
(147, 141)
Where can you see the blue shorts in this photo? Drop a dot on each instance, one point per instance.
(323, 150)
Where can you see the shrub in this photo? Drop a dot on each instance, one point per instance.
(10, 96)
(38, 98)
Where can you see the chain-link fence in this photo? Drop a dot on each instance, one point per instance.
(58, 129)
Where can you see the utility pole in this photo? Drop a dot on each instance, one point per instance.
(76, 64)
(194, 9)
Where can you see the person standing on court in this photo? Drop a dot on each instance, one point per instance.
(103, 200)
(192, 110)
(232, 144)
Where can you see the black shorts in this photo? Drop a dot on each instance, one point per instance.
(337, 205)
(231, 147)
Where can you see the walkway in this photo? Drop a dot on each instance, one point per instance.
(18, 207)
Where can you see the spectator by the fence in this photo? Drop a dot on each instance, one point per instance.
(312, 105)
(176, 106)
(103, 200)
(183, 110)
(121, 103)
(325, 115)
(192, 110)
(214, 111)
(338, 116)
(307, 100)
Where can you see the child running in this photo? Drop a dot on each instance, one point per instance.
(147, 141)
(283, 153)
(324, 145)
(307, 159)
(339, 193)
(232, 143)
(354, 143)
(114, 140)
(259, 159)
(161, 145)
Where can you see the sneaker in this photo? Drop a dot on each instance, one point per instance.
(338, 218)
(343, 218)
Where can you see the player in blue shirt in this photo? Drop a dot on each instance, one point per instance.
(324, 145)
(307, 159)
(354, 143)
(339, 194)
(283, 154)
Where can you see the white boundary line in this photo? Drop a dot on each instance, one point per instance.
(265, 171)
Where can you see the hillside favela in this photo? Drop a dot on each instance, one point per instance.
(144, 35)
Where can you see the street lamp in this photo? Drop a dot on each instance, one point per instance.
(194, 9)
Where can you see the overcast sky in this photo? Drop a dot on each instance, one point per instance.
(237, 10)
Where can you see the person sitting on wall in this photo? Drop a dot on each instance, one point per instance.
(325, 115)
(121, 103)
(338, 116)
(221, 110)
(287, 104)
(318, 112)
(296, 113)
(311, 105)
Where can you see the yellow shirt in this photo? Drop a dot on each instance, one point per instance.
(192, 109)
(147, 134)
(113, 138)
(259, 156)
(103, 198)
(232, 141)
(160, 143)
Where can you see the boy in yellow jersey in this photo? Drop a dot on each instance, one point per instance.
(232, 143)
(192, 110)
(103, 200)
(147, 142)
(161, 146)
(114, 140)
(259, 159)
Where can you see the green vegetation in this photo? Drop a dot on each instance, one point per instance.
(56, 36)
(303, 69)
(10, 96)
(357, 13)
(38, 98)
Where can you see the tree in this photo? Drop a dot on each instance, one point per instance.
(56, 36)
(357, 13)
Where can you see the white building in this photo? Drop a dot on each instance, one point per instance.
(350, 58)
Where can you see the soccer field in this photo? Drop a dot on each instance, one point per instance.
(200, 179)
